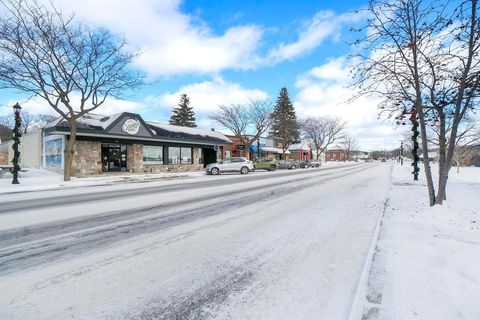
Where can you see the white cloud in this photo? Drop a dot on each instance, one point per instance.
(323, 91)
(208, 95)
(317, 30)
(173, 42)
(323, 25)
(111, 106)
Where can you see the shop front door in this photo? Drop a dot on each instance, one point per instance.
(113, 157)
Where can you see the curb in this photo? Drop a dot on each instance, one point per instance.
(359, 300)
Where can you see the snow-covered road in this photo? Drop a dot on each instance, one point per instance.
(283, 245)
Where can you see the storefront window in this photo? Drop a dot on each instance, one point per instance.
(179, 155)
(54, 153)
(186, 155)
(153, 154)
(173, 155)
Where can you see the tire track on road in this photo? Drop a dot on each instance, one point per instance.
(50, 243)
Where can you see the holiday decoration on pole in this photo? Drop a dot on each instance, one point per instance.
(415, 135)
(401, 154)
(17, 133)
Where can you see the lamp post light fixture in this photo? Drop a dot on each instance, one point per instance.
(16, 143)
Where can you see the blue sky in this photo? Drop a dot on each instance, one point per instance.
(221, 52)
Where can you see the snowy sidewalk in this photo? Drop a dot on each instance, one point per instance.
(39, 179)
(427, 260)
(32, 179)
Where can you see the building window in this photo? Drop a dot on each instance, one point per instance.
(186, 155)
(179, 155)
(54, 153)
(173, 155)
(152, 154)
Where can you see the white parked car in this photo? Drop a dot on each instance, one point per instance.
(239, 164)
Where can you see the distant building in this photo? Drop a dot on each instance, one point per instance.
(359, 155)
(270, 147)
(336, 154)
(300, 151)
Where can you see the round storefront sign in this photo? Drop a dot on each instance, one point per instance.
(131, 126)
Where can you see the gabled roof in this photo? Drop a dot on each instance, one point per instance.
(299, 146)
(88, 121)
(101, 125)
(178, 132)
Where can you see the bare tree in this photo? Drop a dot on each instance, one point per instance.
(73, 68)
(463, 155)
(349, 143)
(422, 58)
(322, 132)
(43, 120)
(29, 121)
(246, 122)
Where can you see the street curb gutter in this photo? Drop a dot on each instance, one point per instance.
(359, 300)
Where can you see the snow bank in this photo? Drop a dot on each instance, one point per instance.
(427, 262)
(32, 179)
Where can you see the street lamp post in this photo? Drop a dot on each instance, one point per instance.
(16, 143)
(258, 148)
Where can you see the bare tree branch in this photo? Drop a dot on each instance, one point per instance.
(73, 68)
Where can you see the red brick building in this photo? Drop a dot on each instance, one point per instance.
(335, 155)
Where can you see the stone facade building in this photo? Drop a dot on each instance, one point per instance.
(126, 143)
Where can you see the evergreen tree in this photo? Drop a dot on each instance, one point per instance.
(285, 124)
(183, 115)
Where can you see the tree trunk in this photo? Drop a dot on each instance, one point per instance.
(68, 152)
(442, 163)
(426, 161)
(442, 183)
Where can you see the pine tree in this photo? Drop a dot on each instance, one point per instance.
(285, 124)
(183, 115)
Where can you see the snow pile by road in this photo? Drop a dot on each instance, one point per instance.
(32, 179)
(427, 262)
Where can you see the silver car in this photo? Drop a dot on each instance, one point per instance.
(238, 164)
(288, 164)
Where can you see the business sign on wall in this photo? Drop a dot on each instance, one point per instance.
(131, 126)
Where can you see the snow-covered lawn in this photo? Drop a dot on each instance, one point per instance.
(427, 260)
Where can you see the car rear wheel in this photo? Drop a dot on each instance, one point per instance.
(272, 168)
(215, 171)
(244, 170)
(293, 167)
